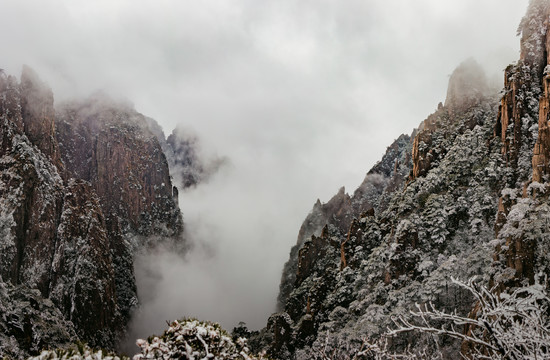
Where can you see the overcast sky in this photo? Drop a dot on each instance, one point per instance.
(301, 96)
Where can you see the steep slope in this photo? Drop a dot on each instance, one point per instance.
(521, 227)
(338, 213)
(81, 188)
(435, 221)
(476, 174)
(29, 323)
(34, 200)
(110, 145)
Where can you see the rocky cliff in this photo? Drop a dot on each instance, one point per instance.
(189, 164)
(82, 187)
(111, 146)
(521, 228)
(467, 196)
(338, 213)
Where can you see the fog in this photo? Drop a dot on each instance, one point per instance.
(301, 97)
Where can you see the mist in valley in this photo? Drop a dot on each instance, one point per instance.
(298, 98)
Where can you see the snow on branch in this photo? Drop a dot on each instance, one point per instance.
(502, 326)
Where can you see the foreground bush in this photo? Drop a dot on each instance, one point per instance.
(193, 339)
(77, 352)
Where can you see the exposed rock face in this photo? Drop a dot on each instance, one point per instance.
(422, 151)
(523, 128)
(79, 190)
(82, 279)
(466, 172)
(308, 255)
(46, 243)
(519, 109)
(467, 85)
(31, 194)
(30, 323)
(373, 195)
(541, 153)
(515, 121)
(280, 326)
(38, 115)
(467, 89)
(337, 212)
(110, 145)
(395, 241)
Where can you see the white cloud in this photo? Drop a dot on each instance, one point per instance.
(303, 97)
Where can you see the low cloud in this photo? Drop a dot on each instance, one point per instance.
(302, 97)
(231, 271)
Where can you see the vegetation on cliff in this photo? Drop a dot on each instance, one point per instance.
(373, 275)
(474, 203)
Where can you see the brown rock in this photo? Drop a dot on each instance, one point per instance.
(510, 114)
(348, 246)
(110, 145)
(66, 237)
(312, 251)
(10, 111)
(421, 153)
(82, 280)
(541, 152)
(39, 115)
(31, 193)
(280, 325)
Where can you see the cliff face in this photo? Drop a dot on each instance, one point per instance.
(35, 226)
(31, 195)
(467, 90)
(518, 122)
(38, 115)
(523, 127)
(475, 202)
(82, 276)
(533, 42)
(336, 212)
(110, 145)
(424, 213)
(386, 177)
(80, 189)
(541, 155)
(30, 323)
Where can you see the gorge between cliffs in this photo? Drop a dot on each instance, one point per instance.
(197, 236)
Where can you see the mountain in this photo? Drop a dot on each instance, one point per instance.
(338, 213)
(86, 184)
(188, 165)
(83, 186)
(465, 195)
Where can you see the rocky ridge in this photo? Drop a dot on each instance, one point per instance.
(82, 187)
(465, 195)
(338, 213)
(471, 200)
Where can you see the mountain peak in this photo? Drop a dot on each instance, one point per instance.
(533, 28)
(466, 84)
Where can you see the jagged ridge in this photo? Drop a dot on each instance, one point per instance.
(476, 173)
(82, 187)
